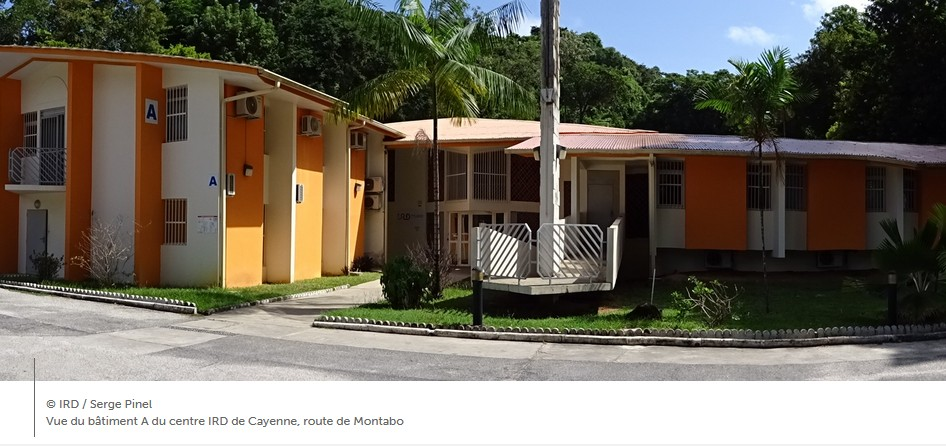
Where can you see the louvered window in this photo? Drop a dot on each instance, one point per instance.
(669, 183)
(876, 189)
(175, 221)
(176, 118)
(759, 186)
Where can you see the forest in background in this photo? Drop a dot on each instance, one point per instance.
(877, 75)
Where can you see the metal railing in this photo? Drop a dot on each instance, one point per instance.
(569, 251)
(37, 166)
(503, 250)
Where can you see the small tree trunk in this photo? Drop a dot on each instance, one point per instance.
(761, 191)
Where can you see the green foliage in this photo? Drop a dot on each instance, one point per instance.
(364, 263)
(234, 33)
(184, 51)
(404, 283)
(47, 266)
(714, 302)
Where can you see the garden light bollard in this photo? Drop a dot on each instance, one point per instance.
(891, 298)
(476, 277)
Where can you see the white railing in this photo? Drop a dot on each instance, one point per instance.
(37, 166)
(569, 251)
(615, 251)
(503, 250)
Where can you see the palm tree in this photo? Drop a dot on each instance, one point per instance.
(436, 51)
(755, 101)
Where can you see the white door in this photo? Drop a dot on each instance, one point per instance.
(35, 236)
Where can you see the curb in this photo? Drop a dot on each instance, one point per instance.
(131, 300)
(275, 299)
(652, 337)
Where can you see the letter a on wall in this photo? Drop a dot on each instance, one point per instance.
(151, 111)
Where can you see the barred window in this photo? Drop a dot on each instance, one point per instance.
(489, 175)
(456, 175)
(176, 117)
(909, 190)
(175, 221)
(876, 185)
(796, 180)
(669, 183)
(759, 186)
(30, 129)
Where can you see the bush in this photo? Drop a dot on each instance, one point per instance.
(712, 301)
(47, 266)
(106, 251)
(425, 257)
(364, 263)
(404, 283)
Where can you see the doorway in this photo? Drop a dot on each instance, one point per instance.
(461, 228)
(36, 235)
(637, 231)
(602, 197)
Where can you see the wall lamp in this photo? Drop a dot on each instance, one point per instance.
(560, 152)
(247, 170)
(358, 187)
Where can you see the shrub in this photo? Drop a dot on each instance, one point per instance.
(364, 263)
(404, 283)
(425, 258)
(106, 250)
(713, 301)
(47, 266)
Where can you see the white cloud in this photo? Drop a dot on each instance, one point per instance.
(815, 9)
(750, 35)
(525, 26)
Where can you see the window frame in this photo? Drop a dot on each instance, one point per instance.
(175, 222)
(796, 172)
(175, 114)
(671, 195)
(910, 194)
(873, 194)
(764, 183)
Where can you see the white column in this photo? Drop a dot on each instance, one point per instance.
(778, 210)
(652, 209)
(574, 190)
(894, 188)
(548, 153)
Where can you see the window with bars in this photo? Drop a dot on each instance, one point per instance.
(670, 183)
(176, 117)
(30, 129)
(175, 221)
(758, 186)
(796, 181)
(876, 185)
(489, 175)
(909, 190)
(455, 175)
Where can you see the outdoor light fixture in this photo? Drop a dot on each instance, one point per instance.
(37, 204)
(560, 152)
(357, 188)
(247, 170)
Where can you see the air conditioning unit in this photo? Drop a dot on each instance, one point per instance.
(718, 260)
(249, 108)
(373, 202)
(374, 185)
(830, 259)
(357, 140)
(310, 126)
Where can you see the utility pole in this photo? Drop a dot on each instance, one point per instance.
(548, 150)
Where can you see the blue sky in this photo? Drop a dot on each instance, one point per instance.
(677, 35)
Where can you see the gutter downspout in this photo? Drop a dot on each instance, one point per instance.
(364, 123)
(222, 182)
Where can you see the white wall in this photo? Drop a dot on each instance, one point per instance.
(335, 188)
(55, 204)
(671, 228)
(374, 220)
(113, 148)
(796, 230)
(278, 235)
(753, 231)
(45, 87)
(186, 170)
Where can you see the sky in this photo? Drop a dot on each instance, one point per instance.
(677, 35)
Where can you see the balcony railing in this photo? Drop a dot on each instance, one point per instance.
(37, 166)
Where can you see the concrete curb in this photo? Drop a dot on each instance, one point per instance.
(276, 299)
(131, 300)
(662, 337)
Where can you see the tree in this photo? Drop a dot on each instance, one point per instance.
(437, 50)
(236, 34)
(756, 101)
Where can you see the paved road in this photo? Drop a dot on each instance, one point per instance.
(77, 340)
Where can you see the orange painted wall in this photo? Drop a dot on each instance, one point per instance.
(78, 163)
(309, 158)
(715, 202)
(932, 191)
(357, 217)
(244, 237)
(11, 136)
(149, 209)
(837, 211)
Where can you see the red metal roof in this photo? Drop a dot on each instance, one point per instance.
(644, 143)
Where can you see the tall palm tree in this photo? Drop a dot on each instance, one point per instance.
(437, 48)
(755, 101)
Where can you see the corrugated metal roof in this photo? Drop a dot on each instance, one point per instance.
(615, 144)
(485, 130)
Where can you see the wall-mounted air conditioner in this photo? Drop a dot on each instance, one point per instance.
(249, 108)
(357, 140)
(718, 259)
(373, 202)
(310, 126)
(830, 259)
(374, 185)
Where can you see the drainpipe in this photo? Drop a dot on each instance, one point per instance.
(347, 185)
(222, 181)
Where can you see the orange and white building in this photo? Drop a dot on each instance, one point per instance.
(224, 173)
(673, 203)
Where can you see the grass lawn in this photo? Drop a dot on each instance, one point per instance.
(214, 298)
(797, 301)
